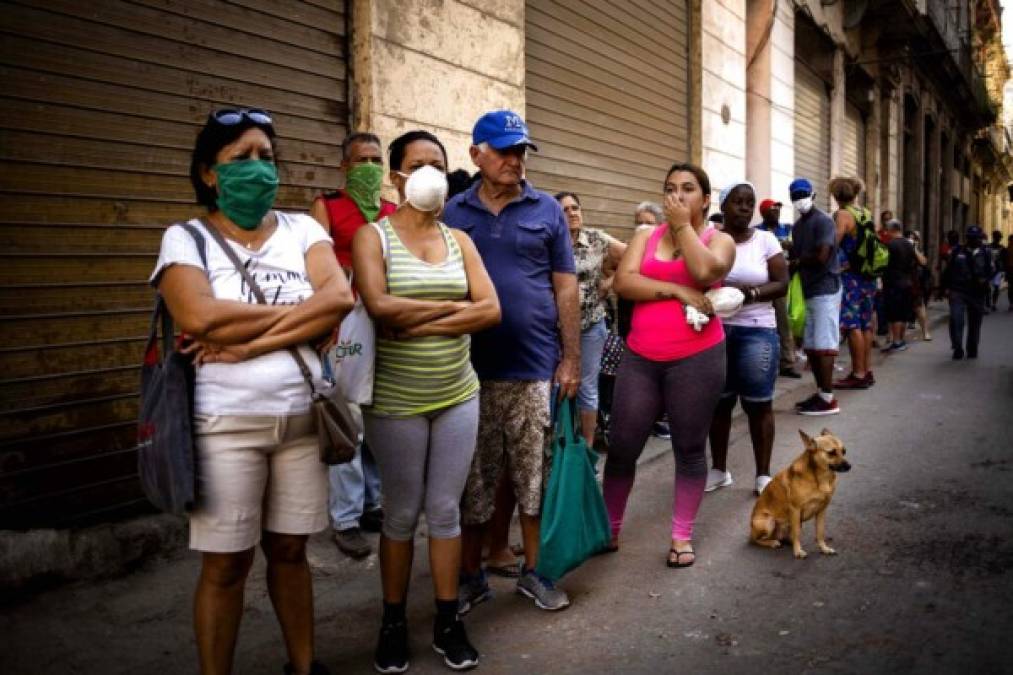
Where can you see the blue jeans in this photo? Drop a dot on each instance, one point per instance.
(355, 488)
(752, 357)
(592, 343)
(965, 309)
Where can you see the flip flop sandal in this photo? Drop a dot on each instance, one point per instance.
(678, 555)
(508, 570)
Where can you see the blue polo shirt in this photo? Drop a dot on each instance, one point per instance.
(521, 248)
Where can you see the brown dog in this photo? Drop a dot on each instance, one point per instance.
(799, 492)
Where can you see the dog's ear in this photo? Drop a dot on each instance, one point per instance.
(807, 440)
(826, 432)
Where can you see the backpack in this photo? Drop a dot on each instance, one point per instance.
(968, 270)
(870, 257)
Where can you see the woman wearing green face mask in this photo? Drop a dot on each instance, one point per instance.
(260, 479)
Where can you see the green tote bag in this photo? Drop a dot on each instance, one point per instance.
(575, 525)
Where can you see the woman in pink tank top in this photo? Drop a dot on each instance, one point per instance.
(668, 366)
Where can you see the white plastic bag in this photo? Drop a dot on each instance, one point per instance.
(726, 302)
(352, 356)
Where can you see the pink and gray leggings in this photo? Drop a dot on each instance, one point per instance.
(688, 390)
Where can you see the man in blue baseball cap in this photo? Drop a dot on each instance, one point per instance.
(524, 241)
(814, 253)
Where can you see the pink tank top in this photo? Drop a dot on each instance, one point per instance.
(658, 329)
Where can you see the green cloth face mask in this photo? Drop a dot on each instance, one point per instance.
(362, 184)
(246, 190)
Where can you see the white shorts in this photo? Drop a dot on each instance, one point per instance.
(823, 323)
(256, 473)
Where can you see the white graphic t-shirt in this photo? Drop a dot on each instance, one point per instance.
(750, 269)
(270, 384)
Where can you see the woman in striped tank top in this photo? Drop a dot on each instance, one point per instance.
(427, 289)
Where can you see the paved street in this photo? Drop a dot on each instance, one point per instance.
(922, 582)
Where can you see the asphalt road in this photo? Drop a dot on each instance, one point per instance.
(921, 583)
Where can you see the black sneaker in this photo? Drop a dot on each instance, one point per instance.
(661, 430)
(372, 520)
(958, 354)
(451, 642)
(392, 648)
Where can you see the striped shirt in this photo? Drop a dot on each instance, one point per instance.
(423, 374)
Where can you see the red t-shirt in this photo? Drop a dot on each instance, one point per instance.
(346, 218)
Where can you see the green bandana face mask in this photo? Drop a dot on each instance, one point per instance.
(246, 190)
(362, 184)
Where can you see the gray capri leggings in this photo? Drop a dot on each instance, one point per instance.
(424, 462)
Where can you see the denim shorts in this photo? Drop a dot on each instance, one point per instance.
(592, 342)
(823, 323)
(752, 354)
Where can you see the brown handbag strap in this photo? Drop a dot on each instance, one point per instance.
(258, 293)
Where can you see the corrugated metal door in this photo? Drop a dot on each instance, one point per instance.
(812, 131)
(607, 101)
(853, 155)
(100, 106)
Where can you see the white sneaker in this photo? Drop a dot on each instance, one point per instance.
(717, 479)
(761, 483)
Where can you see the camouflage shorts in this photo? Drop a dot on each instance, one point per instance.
(512, 426)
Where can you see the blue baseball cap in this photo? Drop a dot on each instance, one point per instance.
(800, 187)
(501, 129)
(974, 232)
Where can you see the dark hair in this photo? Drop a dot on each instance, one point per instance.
(717, 217)
(357, 137)
(561, 195)
(952, 237)
(210, 140)
(400, 144)
(458, 181)
(698, 173)
(845, 189)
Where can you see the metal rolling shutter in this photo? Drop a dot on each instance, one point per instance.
(607, 101)
(812, 132)
(853, 156)
(100, 106)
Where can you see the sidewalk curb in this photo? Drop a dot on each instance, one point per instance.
(36, 559)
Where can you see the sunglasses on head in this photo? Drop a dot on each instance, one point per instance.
(231, 116)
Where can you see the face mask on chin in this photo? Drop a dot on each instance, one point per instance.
(804, 205)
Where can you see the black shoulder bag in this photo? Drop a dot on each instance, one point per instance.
(165, 453)
(337, 431)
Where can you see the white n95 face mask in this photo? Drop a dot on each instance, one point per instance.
(426, 188)
(803, 205)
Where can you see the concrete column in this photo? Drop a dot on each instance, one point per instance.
(933, 231)
(838, 98)
(873, 150)
(946, 182)
(437, 66)
(913, 160)
(770, 99)
(759, 28)
(723, 90)
(890, 171)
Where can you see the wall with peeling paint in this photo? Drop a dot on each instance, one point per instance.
(435, 65)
